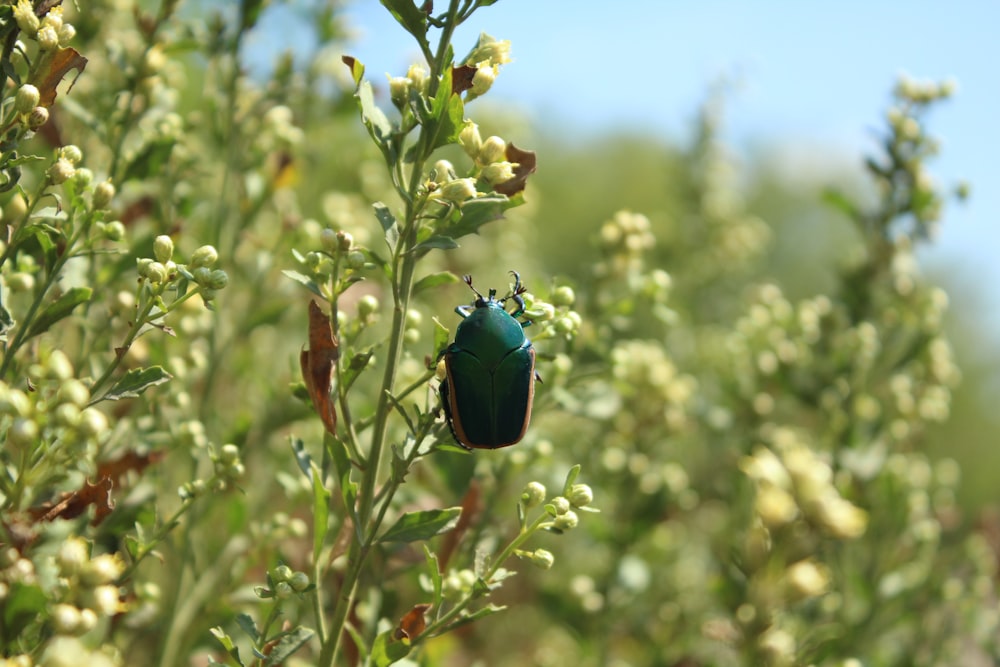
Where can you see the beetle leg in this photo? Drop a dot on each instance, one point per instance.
(464, 311)
(538, 377)
(516, 298)
(468, 281)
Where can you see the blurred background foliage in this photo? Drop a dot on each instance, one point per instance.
(674, 250)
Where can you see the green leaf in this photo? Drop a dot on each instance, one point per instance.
(477, 212)
(227, 643)
(411, 17)
(389, 225)
(305, 280)
(289, 643)
(415, 526)
(59, 309)
(357, 68)
(571, 476)
(372, 116)
(434, 569)
(248, 626)
(342, 463)
(321, 510)
(433, 280)
(150, 160)
(441, 337)
(23, 605)
(842, 203)
(137, 381)
(387, 650)
(437, 241)
(448, 111)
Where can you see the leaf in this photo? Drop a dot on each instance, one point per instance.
(526, 162)
(348, 488)
(412, 624)
(461, 78)
(305, 280)
(372, 116)
(246, 623)
(61, 63)
(415, 526)
(437, 241)
(23, 604)
(386, 650)
(477, 212)
(441, 337)
(59, 309)
(74, 503)
(150, 160)
(318, 363)
(435, 572)
(321, 510)
(389, 225)
(433, 280)
(289, 643)
(136, 381)
(227, 644)
(448, 111)
(412, 18)
(357, 69)
(842, 203)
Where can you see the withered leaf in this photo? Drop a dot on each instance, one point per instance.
(72, 504)
(62, 62)
(317, 365)
(116, 468)
(412, 624)
(526, 162)
(461, 78)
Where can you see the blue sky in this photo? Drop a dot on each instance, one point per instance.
(813, 77)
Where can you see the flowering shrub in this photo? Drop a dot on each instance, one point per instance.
(176, 489)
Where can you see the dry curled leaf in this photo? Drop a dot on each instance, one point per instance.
(526, 162)
(61, 63)
(412, 624)
(318, 363)
(72, 504)
(461, 78)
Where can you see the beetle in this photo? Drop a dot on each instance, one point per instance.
(490, 376)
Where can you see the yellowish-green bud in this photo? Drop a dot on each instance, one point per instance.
(566, 521)
(282, 573)
(356, 260)
(74, 392)
(490, 50)
(104, 569)
(202, 275)
(399, 90)
(27, 98)
(92, 422)
(563, 296)
(345, 241)
(104, 192)
(542, 558)
(72, 153)
(163, 248)
(493, 150)
(23, 432)
(367, 306)
(61, 171)
(580, 495)
(483, 79)
(65, 619)
(469, 137)
(299, 581)
(37, 117)
(417, 76)
(83, 178)
(21, 281)
(27, 21)
(443, 171)
(114, 230)
(205, 256)
(73, 554)
(48, 38)
(561, 505)
(533, 495)
(459, 190)
(66, 34)
(498, 172)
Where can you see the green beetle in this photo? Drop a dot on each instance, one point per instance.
(490, 382)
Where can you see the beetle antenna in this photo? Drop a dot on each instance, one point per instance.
(468, 281)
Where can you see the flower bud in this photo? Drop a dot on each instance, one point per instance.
(299, 581)
(283, 591)
(344, 241)
(65, 619)
(104, 192)
(27, 98)
(443, 171)
(48, 38)
(282, 573)
(561, 505)
(23, 432)
(563, 296)
(498, 172)
(566, 521)
(72, 555)
(533, 495)
(21, 282)
(202, 275)
(356, 260)
(469, 137)
(92, 422)
(156, 272)
(66, 33)
(74, 392)
(205, 256)
(459, 190)
(37, 117)
(367, 306)
(24, 14)
(483, 79)
(580, 495)
(417, 76)
(72, 153)
(399, 90)
(104, 569)
(163, 248)
(542, 558)
(83, 178)
(61, 171)
(493, 150)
